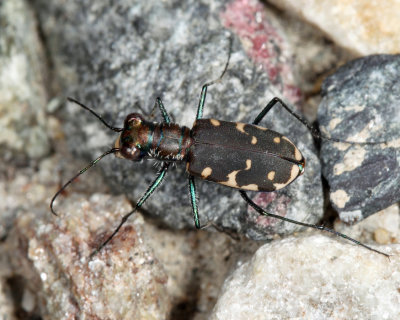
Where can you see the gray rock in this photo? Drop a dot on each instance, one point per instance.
(361, 102)
(313, 277)
(118, 59)
(23, 96)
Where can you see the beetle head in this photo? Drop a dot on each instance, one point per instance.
(128, 141)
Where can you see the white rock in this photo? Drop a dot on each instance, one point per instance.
(314, 277)
(363, 26)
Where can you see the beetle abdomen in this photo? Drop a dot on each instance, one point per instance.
(243, 156)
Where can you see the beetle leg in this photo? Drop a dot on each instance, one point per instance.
(232, 234)
(193, 200)
(164, 112)
(153, 186)
(315, 133)
(322, 228)
(276, 100)
(272, 103)
(204, 88)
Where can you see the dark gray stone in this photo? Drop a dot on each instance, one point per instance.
(361, 102)
(119, 58)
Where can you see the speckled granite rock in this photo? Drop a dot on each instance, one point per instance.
(313, 277)
(118, 59)
(124, 281)
(362, 26)
(361, 102)
(23, 73)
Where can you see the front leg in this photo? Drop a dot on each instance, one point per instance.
(152, 187)
(163, 111)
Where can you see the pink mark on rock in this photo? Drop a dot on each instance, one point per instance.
(263, 43)
(271, 202)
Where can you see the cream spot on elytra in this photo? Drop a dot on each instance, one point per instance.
(231, 182)
(206, 172)
(240, 127)
(248, 164)
(251, 187)
(271, 175)
(297, 154)
(294, 172)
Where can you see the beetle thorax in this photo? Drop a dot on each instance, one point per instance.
(141, 139)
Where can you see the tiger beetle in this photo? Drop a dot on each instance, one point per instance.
(243, 156)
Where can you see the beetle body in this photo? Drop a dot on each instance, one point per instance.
(234, 154)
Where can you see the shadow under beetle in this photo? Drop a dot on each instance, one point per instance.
(234, 154)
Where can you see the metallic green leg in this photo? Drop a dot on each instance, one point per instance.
(153, 186)
(192, 190)
(164, 112)
(200, 108)
(204, 88)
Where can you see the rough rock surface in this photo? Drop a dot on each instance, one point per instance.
(22, 79)
(313, 277)
(361, 103)
(121, 282)
(363, 26)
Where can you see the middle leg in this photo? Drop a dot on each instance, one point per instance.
(193, 200)
(204, 88)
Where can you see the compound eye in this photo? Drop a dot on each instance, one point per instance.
(133, 119)
(131, 153)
